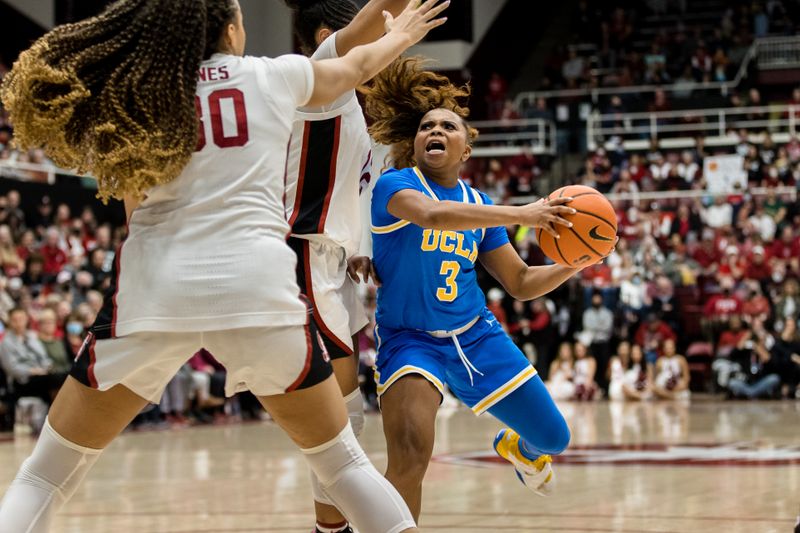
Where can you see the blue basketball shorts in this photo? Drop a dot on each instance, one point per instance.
(481, 366)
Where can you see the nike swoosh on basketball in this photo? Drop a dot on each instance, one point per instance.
(596, 236)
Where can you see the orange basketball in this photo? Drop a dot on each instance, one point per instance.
(593, 231)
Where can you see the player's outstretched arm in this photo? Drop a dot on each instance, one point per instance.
(525, 282)
(368, 25)
(421, 210)
(333, 77)
(521, 281)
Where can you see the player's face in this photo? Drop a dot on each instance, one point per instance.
(441, 141)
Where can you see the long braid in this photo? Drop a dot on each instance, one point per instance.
(310, 15)
(398, 98)
(114, 95)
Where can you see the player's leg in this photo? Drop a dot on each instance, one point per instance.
(322, 276)
(81, 423)
(90, 410)
(536, 431)
(345, 369)
(409, 409)
(314, 416)
(509, 388)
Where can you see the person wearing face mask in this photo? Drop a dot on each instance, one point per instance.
(598, 326)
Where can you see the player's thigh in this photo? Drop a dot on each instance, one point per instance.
(346, 371)
(409, 410)
(311, 416)
(92, 418)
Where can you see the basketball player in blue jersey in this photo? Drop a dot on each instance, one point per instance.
(433, 328)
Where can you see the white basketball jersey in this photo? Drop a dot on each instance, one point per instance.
(329, 162)
(208, 250)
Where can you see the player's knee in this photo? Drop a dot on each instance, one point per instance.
(557, 438)
(331, 459)
(410, 453)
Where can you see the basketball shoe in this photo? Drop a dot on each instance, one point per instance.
(536, 474)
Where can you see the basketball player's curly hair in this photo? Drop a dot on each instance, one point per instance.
(114, 95)
(398, 98)
(310, 15)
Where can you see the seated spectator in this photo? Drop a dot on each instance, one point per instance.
(756, 308)
(672, 374)
(719, 308)
(53, 255)
(731, 337)
(787, 306)
(208, 375)
(630, 377)
(585, 372)
(786, 352)
(10, 261)
(174, 403)
(651, 335)
(786, 250)
(561, 376)
(759, 377)
(758, 268)
(54, 346)
(719, 214)
(26, 363)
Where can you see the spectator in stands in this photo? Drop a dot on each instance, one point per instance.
(542, 332)
(208, 376)
(731, 337)
(754, 99)
(598, 327)
(786, 250)
(763, 223)
(562, 373)
(585, 373)
(175, 401)
(10, 260)
(496, 90)
(33, 277)
(11, 214)
(25, 361)
(598, 278)
(631, 378)
(52, 253)
(717, 215)
(672, 374)
(573, 68)
(759, 377)
(54, 345)
(651, 334)
(719, 309)
(787, 306)
(758, 268)
(786, 353)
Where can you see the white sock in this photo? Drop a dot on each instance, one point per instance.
(45, 481)
(364, 496)
(355, 411)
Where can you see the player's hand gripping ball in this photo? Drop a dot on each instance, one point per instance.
(593, 233)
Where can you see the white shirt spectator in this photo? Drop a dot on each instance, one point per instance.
(718, 215)
(764, 225)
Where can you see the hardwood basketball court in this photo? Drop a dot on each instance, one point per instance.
(707, 466)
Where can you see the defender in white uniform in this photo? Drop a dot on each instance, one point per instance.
(205, 263)
(330, 160)
(329, 164)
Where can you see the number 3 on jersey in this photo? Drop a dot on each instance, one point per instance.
(449, 270)
(215, 103)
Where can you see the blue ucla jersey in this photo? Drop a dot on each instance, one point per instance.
(427, 276)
